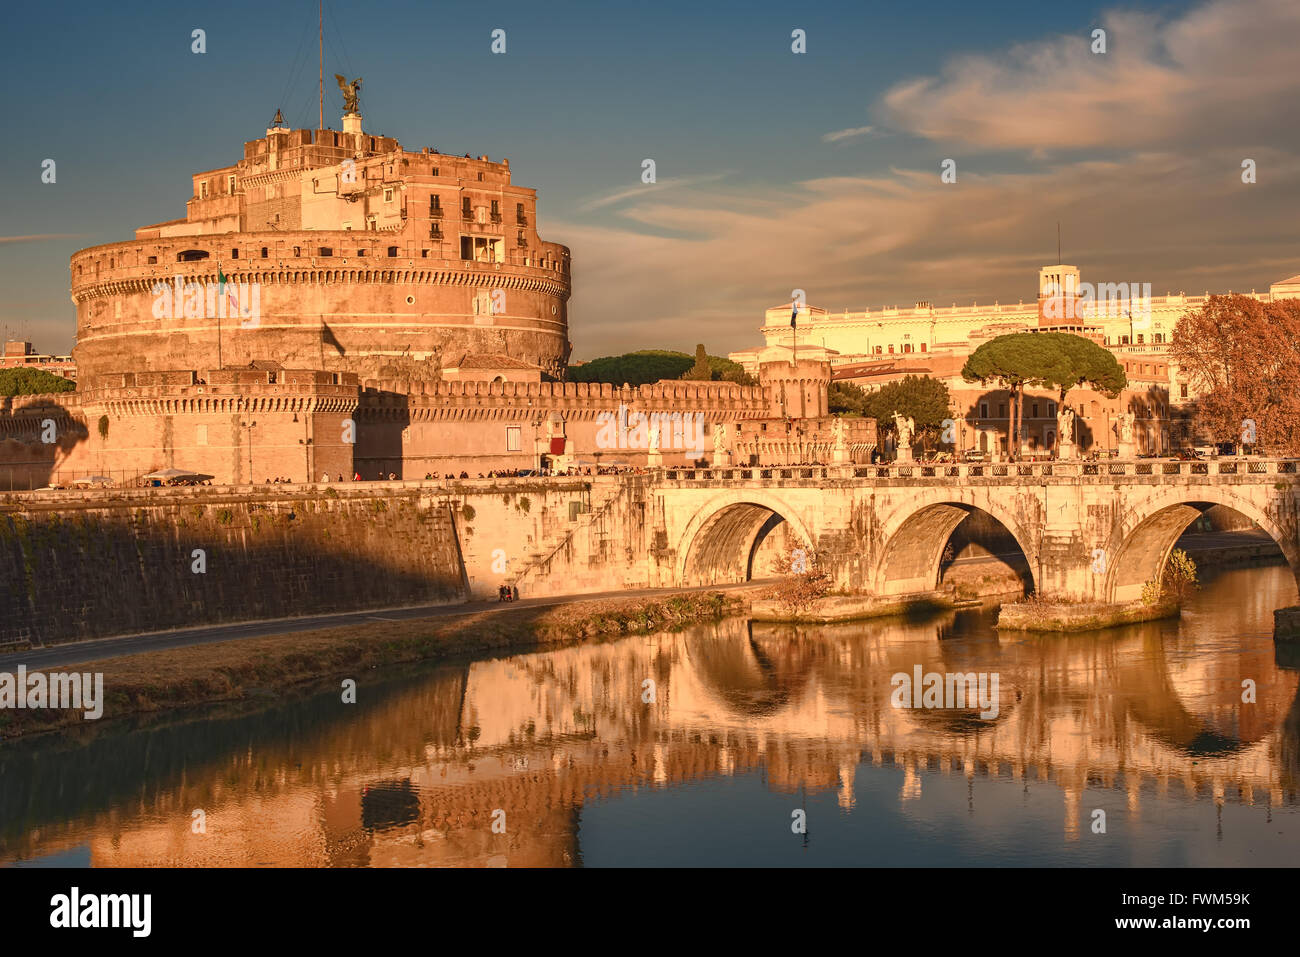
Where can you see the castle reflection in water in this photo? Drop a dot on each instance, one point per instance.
(414, 773)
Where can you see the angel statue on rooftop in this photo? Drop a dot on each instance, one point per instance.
(351, 91)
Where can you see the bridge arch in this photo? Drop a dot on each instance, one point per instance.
(915, 535)
(719, 542)
(1148, 532)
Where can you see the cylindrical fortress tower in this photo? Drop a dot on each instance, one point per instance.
(333, 251)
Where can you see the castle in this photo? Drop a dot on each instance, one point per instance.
(333, 304)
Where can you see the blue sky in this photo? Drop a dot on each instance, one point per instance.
(1136, 151)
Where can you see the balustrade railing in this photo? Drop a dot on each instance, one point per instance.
(1154, 469)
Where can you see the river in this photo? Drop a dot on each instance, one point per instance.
(730, 742)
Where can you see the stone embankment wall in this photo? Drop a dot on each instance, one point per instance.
(85, 565)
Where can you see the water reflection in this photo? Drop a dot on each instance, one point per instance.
(694, 747)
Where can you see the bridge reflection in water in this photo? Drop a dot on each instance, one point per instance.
(1129, 719)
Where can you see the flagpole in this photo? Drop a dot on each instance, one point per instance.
(321, 42)
(221, 302)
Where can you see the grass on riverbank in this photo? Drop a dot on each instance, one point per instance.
(228, 670)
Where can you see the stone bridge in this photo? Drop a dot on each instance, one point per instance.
(1089, 531)
(71, 561)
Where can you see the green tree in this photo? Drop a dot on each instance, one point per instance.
(724, 370)
(1012, 362)
(702, 369)
(23, 381)
(1083, 362)
(925, 400)
(1055, 360)
(634, 368)
(652, 365)
(845, 398)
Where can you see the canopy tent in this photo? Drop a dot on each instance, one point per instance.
(93, 480)
(167, 475)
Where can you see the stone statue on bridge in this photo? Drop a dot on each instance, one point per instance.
(905, 428)
(721, 455)
(840, 446)
(653, 456)
(1065, 433)
(1127, 449)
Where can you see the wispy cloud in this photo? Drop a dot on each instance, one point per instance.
(39, 237)
(837, 135)
(866, 242)
(644, 189)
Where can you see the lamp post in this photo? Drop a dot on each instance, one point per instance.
(248, 426)
(306, 444)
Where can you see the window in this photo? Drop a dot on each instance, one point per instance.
(1141, 338)
(230, 185)
(1002, 410)
(435, 206)
(519, 214)
(152, 260)
(203, 190)
(984, 410)
(326, 251)
(388, 195)
(923, 347)
(392, 252)
(234, 254)
(513, 442)
(1182, 390)
(482, 249)
(496, 211)
(264, 252)
(297, 250)
(1033, 410)
(1051, 410)
(435, 171)
(891, 348)
(466, 210)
